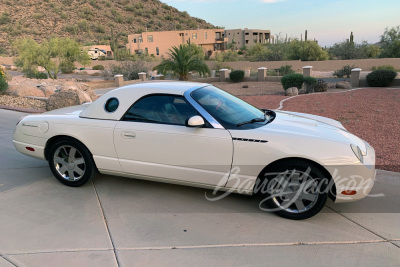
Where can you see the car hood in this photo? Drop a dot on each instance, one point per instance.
(300, 124)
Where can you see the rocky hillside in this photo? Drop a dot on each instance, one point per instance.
(88, 21)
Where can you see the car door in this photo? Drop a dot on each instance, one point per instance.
(152, 140)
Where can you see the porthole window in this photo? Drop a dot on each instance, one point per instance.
(111, 105)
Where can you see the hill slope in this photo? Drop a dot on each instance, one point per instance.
(88, 21)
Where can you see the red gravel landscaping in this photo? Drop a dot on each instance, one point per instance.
(372, 114)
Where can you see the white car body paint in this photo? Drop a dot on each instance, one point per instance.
(200, 157)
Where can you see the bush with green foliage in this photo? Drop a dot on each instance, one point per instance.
(129, 69)
(258, 52)
(349, 50)
(344, 71)
(381, 78)
(285, 70)
(321, 86)
(3, 81)
(384, 67)
(237, 76)
(98, 67)
(306, 51)
(227, 56)
(67, 67)
(34, 74)
(310, 84)
(292, 80)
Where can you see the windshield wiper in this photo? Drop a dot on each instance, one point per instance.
(251, 121)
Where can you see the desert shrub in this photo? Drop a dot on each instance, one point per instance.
(129, 69)
(237, 76)
(37, 15)
(271, 73)
(292, 80)
(285, 70)
(4, 18)
(3, 82)
(310, 84)
(381, 78)
(67, 67)
(344, 71)
(32, 74)
(227, 56)
(98, 67)
(384, 67)
(321, 86)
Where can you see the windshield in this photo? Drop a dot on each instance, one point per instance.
(231, 112)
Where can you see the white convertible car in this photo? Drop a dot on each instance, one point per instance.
(198, 135)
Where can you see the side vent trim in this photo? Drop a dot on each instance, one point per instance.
(249, 140)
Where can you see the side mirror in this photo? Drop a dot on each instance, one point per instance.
(195, 121)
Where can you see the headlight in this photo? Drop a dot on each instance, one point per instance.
(357, 152)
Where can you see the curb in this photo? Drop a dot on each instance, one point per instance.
(25, 110)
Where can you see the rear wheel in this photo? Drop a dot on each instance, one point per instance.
(295, 190)
(71, 162)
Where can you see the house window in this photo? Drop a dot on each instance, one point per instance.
(146, 51)
(150, 38)
(157, 51)
(134, 40)
(255, 41)
(247, 33)
(194, 35)
(140, 40)
(247, 41)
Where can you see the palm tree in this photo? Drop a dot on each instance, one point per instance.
(184, 59)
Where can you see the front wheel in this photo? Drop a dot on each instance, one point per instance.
(295, 190)
(71, 162)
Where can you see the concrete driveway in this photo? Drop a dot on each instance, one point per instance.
(126, 222)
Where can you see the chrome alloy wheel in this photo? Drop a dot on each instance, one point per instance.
(69, 163)
(295, 191)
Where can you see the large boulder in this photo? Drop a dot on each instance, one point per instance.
(25, 90)
(47, 90)
(343, 85)
(66, 98)
(292, 91)
(79, 86)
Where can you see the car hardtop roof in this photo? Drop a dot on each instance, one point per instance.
(177, 87)
(128, 94)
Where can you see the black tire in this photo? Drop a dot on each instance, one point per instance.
(69, 157)
(294, 198)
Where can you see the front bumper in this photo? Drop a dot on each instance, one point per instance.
(355, 179)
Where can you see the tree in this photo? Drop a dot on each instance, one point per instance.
(391, 43)
(306, 51)
(259, 52)
(349, 50)
(227, 56)
(184, 59)
(51, 54)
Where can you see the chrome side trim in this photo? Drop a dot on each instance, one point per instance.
(214, 123)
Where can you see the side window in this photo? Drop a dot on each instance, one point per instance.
(163, 109)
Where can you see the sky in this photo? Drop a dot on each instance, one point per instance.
(328, 21)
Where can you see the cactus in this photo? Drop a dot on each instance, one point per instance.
(351, 38)
(305, 36)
